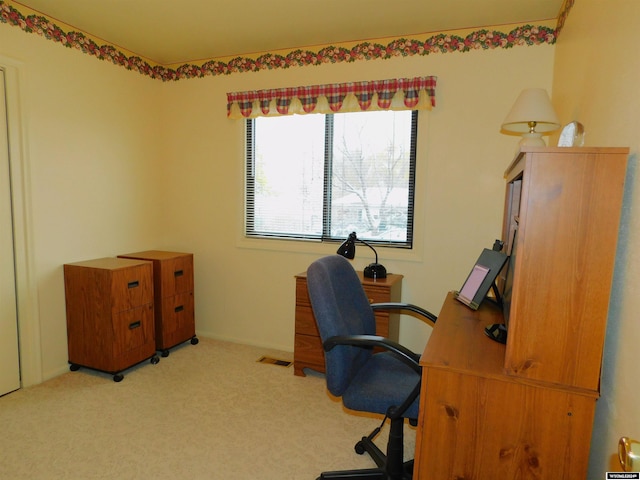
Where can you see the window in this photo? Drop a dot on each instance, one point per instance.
(321, 177)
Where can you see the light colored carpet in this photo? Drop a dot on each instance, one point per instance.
(208, 411)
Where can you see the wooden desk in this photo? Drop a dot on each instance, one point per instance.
(477, 422)
(525, 410)
(308, 352)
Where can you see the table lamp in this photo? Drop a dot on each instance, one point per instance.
(348, 250)
(532, 115)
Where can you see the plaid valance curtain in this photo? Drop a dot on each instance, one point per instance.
(395, 94)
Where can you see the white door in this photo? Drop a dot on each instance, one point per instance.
(9, 355)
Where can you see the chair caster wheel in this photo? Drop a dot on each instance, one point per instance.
(359, 448)
(194, 341)
(165, 353)
(155, 359)
(74, 368)
(118, 377)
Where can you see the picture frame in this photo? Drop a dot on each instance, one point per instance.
(481, 278)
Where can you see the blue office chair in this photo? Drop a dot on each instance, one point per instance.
(384, 381)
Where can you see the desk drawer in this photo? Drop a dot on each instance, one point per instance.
(131, 287)
(302, 294)
(376, 294)
(176, 275)
(308, 350)
(177, 315)
(305, 321)
(133, 329)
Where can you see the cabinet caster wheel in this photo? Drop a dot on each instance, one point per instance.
(74, 368)
(359, 448)
(118, 377)
(165, 353)
(194, 341)
(155, 360)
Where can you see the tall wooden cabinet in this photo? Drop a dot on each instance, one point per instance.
(173, 297)
(109, 304)
(308, 352)
(525, 409)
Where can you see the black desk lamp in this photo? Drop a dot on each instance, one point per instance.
(348, 250)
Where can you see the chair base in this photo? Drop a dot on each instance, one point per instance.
(390, 466)
(368, 474)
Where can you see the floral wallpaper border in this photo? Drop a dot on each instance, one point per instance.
(483, 39)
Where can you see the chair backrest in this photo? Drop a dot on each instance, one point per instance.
(340, 307)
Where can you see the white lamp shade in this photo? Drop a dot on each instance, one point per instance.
(532, 105)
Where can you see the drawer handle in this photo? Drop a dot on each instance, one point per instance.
(178, 273)
(133, 284)
(134, 325)
(179, 308)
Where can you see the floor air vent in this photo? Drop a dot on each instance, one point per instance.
(274, 361)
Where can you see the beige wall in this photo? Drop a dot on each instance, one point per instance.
(118, 162)
(90, 174)
(596, 76)
(111, 162)
(244, 287)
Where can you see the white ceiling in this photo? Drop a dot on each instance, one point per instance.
(181, 31)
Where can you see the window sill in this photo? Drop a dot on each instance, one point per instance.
(327, 248)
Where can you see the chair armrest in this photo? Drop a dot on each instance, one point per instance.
(405, 306)
(403, 353)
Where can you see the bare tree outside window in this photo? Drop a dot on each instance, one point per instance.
(324, 176)
(371, 167)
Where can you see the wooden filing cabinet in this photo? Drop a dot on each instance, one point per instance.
(173, 297)
(308, 352)
(109, 303)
